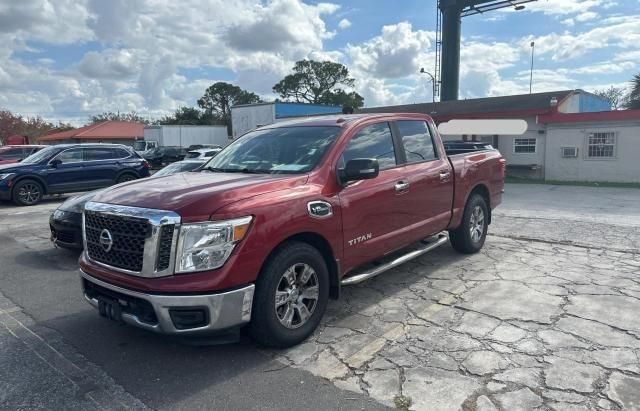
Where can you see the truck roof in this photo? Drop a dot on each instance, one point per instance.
(338, 120)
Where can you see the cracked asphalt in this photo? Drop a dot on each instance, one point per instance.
(546, 316)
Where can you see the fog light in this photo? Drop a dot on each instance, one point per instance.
(186, 318)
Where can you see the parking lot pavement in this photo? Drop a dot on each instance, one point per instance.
(544, 317)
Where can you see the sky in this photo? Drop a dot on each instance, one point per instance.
(68, 59)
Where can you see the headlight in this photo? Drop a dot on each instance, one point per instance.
(206, 246)
(6, 175)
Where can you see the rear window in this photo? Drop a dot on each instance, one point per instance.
(193, 154)
(101, 153)
(416, 141)
(11, 152)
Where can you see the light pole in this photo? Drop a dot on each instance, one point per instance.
(433, 90)
(533, 46)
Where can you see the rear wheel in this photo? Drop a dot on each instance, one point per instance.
(472, 233)
(27, 193)
(291, 296)
(125, 177)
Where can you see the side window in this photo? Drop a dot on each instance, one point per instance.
(416, 141)
(70, 156)
(120, 153)
(94, 154)
(373, 141)
(12, 153)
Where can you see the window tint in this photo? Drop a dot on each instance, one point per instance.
(121, 153)
(416, 140)
(70, 156)
(101, 153)
(373, 141)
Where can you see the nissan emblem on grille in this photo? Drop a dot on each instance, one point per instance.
(106, 240)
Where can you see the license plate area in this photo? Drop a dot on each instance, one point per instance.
(110, 308)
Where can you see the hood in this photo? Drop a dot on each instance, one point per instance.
(11, 168)
(196, 194)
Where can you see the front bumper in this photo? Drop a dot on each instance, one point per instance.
(66, 229)
(165, 314)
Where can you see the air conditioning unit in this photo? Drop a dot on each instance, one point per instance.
(569, 152)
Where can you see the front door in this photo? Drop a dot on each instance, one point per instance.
(67, 176)
(369, 207)
(426, 209)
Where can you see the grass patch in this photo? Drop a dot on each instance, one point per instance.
(402, 402)
(520, 180)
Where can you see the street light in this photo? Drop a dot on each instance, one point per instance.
(433, 82)
(533, 46)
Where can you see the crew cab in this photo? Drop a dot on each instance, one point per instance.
(273, 226)
(68, 168)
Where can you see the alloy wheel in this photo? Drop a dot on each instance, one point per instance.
(297, 295)
(476, 226)
(29, 193)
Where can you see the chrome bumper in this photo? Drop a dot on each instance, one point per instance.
(226, 310)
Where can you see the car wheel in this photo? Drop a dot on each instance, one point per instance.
(291, 296)
(472, 233)
(27, 193)
(126, 177)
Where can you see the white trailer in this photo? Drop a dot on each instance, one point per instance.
(247, 117)
(182, 136)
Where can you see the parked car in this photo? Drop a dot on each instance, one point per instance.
(161, 156)
(17, 153)
(65, 222)
(199, 146)
(272, 227)
(203, 153)
(69, 168)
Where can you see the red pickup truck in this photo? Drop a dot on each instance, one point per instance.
(270, 229)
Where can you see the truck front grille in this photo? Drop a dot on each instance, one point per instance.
(164, 247)
(128, 236)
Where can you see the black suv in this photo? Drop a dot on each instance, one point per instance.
(160, 156)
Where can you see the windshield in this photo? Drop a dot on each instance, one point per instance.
(41, 155)
(284, 150)
(140, 145)
(192, 154)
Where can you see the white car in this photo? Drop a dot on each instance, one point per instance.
(202, 153)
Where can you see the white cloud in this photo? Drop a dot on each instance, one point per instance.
(398, 52)
(344, 24)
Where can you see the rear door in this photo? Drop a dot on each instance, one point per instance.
(69, 175)
(369, 207)
(102, 165)
(426, 207)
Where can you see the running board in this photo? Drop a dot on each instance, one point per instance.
(425, 248)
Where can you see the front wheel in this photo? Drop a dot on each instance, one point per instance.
(472, 233)
(291, 296)
(125, 177)
(27, 193)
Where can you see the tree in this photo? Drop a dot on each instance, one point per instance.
(188, 116)
(319, 82)
(634, 96)
(31, 127)
(118, 116)
(614, 95)
(220, 97)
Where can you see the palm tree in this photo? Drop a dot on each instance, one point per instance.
(634, 96)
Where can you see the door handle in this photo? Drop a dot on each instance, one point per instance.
(444, 175)
(401, 186)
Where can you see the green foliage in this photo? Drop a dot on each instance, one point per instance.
(220, 97)
(319, 82)
(118, 116)
(634, 96)
(189, 116)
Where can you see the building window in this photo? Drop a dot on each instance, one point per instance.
(601, 145)
(524, 145)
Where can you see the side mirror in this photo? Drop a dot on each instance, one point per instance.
(360, 169)
(55, 162)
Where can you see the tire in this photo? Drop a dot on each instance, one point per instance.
(27, 193)
(126, 177)
(281, 323)
(468, 238)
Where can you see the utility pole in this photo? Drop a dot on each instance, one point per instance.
(533, 46)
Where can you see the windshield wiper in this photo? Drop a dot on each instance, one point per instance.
(237, 170)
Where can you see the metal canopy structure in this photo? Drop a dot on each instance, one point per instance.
(448, 31)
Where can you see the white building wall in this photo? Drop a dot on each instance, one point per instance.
(624, 167)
